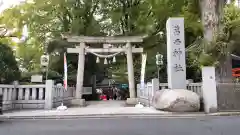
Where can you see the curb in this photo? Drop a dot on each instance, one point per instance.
(99, 116)
(225, 114)
(103, 116)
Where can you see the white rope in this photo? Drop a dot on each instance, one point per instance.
(105, 56)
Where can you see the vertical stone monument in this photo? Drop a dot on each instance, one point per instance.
(176, 98)
(176, 65)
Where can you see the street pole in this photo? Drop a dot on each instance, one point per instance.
(158, 73)
(47, 73)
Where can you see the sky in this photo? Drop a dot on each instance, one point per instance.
(9, 3)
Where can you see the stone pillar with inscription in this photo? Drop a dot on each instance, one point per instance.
(176, 65)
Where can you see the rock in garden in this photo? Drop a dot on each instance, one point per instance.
(176, 100)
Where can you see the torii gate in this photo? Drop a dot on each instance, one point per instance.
(82, 50)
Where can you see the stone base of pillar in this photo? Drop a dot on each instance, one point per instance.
(132, 101)
(78, 102)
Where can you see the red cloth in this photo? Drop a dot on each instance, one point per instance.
(103, 97)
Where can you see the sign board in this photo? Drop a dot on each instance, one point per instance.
(124, 86)
(36, 78)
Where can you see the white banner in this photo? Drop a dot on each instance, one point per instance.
(143, 69)
(65, 84)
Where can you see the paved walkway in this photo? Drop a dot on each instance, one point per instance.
(100, 108)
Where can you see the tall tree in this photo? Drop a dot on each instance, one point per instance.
(212, 18)
(8, 65)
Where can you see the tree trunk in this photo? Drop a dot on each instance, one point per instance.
(212, 14)
(224, 71)
(209, 18)
(226, 63)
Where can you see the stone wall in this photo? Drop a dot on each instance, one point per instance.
(228, 97)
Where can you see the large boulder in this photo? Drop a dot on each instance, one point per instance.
(176, 100)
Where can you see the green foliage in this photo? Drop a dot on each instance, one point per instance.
(29, 57)
(8, 65)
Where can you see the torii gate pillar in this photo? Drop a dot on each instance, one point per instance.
(132, 92)
(80, 76)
